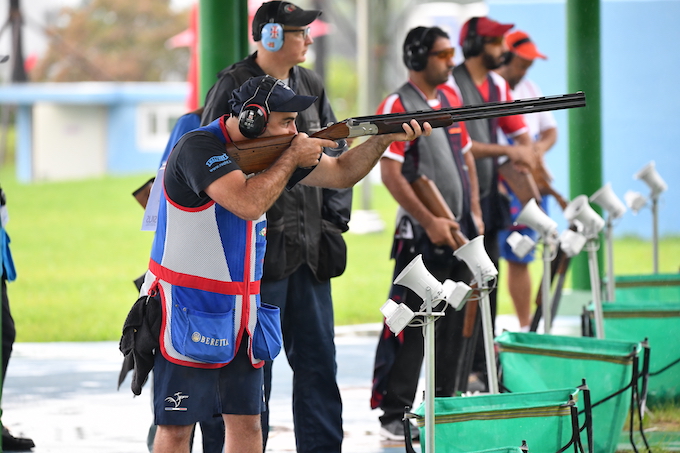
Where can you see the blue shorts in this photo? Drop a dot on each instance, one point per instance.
(515, 209)
(185, 395)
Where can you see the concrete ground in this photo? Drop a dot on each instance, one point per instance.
(64, 396)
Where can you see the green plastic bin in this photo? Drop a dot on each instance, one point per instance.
(547, 420)
(659, 322)
(502, 450)
(656, 287)
(533, 362)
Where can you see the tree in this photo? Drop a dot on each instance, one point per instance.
(114, 40)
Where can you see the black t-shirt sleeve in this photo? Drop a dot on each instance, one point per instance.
(298, 175)
(198, 160)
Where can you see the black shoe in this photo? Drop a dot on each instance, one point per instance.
(11, 443)
(394, 430)
(477, 383)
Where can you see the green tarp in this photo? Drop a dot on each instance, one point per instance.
(659, 322)
(533, 362)
(482, 422)
(657, 287)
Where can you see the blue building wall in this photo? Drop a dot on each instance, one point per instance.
(640, 95)
(123, 152)
(122, 137)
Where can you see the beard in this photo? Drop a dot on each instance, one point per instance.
(490, 62)
(437, 79)
(513, 81)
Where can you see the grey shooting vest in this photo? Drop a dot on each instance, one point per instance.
(483, 131)
(434, 158)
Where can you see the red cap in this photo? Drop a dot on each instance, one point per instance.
(521, 45)
(485, 27)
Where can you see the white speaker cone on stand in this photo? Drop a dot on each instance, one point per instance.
(533, 216)
(657, 185)
(651, 177)
(635, 201)
(418, 279)
(578, 210)
(607, 200)
(474, 255)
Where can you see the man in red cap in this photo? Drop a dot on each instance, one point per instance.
(483, 45)
(543, 131)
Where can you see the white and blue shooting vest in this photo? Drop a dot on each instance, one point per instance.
(206, 265)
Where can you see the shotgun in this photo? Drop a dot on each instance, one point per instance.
(258, 154)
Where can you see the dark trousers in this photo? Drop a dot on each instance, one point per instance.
(399, 359)
(308, 337)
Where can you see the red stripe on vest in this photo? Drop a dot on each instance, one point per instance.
(207, 284)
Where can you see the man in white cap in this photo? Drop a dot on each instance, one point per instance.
(543, 131)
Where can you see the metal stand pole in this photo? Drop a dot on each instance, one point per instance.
(429, 374)
(610, 259)
(595, 286)
(546, 301)
(655, 232)
(487, 330)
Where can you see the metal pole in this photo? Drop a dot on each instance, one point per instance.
(546, 300)
(223, 38)
(429, 374)
(17, 62)
(610, 259)
(595, 286)
(363, 31)
(487, 330)
(583, 62)
(320, 46)
(655, 232)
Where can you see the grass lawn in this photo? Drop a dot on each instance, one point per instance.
(78, 246)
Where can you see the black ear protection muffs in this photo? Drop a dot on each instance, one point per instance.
(473, 44)
(416, 53)
(507, 56)
(252, 121)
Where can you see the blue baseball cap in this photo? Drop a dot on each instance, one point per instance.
(271, 93)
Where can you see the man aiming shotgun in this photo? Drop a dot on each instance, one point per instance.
(207, 261)
(258, 154)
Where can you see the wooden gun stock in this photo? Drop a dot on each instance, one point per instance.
(142, 194)
(521, 183)
(470, 314)
(542, 178)
(526, 185)
(428, 194)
